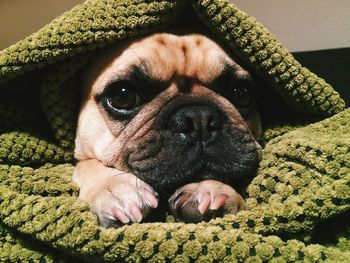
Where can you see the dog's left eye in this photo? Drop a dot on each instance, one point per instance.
(241, 97)
(241, 93)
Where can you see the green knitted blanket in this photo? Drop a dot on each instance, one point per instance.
(299, 203)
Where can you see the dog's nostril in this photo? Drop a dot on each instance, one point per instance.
(200, 122)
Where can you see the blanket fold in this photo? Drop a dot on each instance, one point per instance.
(299, 203)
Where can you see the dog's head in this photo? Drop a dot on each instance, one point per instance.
(171, 110)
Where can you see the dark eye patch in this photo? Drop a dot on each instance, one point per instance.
(123, 97)
(239, 89)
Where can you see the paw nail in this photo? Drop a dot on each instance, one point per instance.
(180, 200)
(152, 201)
(204, 203)
(200, 197)
(218, 202)
(119, 215)
(136, 213)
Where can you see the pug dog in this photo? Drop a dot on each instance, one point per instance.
(166, 118)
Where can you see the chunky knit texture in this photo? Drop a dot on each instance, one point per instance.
(299, 203)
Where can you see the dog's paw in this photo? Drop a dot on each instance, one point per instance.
(205, 200)
(120, 201)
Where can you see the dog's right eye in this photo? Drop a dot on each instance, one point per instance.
(124, 98)
(120, 99)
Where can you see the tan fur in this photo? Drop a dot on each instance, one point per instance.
(101, 142)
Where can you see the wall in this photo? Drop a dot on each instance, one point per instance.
(19, 18)
(304, 24)
(300, 24)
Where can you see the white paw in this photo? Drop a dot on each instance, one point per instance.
(123, 199)
(205, 200)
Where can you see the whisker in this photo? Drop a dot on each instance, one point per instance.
(137, 183)
(120, 173)
(142, 62)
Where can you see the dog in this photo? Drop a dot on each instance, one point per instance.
(166, 117)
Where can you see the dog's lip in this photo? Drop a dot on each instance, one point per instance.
(259, 150)
(202, 160)
(149, 162)
(201, 167)
(202, 171)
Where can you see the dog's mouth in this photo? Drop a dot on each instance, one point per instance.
(168, 163)
(193, 139)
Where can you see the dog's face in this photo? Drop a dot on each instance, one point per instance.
(171, 110)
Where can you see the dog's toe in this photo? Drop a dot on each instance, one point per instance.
(124, 203)
(203, 201)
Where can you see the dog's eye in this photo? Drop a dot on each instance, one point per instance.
(124, 98)
(241, 97)
(239, 90)
(120, 99)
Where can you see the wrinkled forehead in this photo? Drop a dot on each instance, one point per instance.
(163, 56)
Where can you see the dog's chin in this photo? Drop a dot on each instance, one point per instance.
(172, 162)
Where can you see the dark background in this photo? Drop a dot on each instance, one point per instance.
(333, 65)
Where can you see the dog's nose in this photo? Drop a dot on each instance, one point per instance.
(197, 122)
